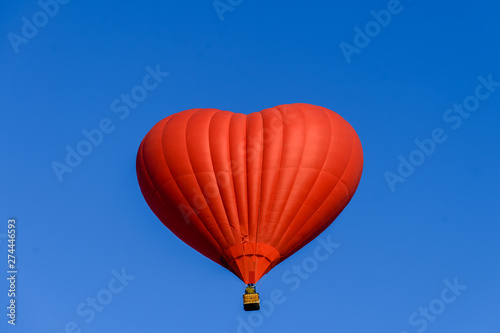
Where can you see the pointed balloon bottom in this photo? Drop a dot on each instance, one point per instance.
(250, 261)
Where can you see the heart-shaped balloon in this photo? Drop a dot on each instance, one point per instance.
(248, 191)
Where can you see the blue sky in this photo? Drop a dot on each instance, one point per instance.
(417, 248)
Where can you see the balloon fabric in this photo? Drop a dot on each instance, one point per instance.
(248, 191)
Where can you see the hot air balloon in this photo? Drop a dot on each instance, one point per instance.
(248, 191)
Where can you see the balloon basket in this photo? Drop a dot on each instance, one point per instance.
(251, 300)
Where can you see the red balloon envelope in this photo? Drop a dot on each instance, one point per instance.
(248, 191)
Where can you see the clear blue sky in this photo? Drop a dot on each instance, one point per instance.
(417, 248)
